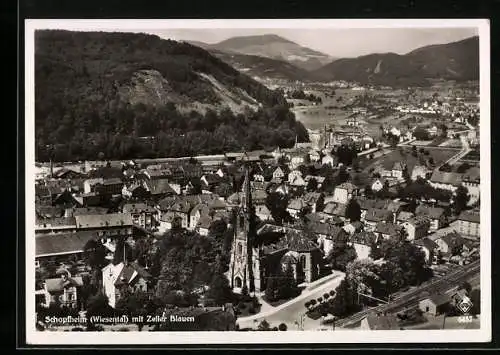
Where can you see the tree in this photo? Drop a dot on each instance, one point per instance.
(344, 302)
(460, 199)
(446, 167)
(353, 210)
(264, 326)
(282, 327)
(406, 174)
(98, 305)
(421, 133)
(341, 255)
(219, 289)
(95, 254)
(312, 185)
(277, 205)
(463, 168)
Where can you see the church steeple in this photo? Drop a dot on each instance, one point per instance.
(246, 200)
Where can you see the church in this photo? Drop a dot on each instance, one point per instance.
(251, 264)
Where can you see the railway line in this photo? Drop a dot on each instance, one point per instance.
(408, 298)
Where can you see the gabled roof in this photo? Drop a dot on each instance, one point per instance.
(387, 228)
(103, 220)
(381, 322)
(296, 204)
(159, 187)
(427, 243)
(432, 212)
(137, 208)
(296, 241)
(335, 209)
(404, 216)
(364, 238)
(419, 221)
(439, 299)
(453, 239)
(443, 177)
(347, 186)
(377, 215)
(62, 243)
(49, 211)
(470, 216)
(57, 285)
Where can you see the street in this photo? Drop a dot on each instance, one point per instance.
(291, 311)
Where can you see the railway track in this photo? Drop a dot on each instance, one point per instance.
(410, 297)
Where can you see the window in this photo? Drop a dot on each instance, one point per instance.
(303, 261)
(237, 282)
(239, 249)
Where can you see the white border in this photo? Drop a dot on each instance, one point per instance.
(340, 336)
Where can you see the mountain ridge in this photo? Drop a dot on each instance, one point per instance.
(457, 60)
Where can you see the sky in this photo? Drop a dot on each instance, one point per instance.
(337, 42)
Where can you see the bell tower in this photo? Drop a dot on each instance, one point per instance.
(244, 267)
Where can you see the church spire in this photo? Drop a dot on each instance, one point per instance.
(246, 201)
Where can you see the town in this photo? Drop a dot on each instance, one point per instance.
(373, 223)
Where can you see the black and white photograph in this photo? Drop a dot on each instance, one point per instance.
(276, 181)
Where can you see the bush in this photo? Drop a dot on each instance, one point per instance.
(242, 305)
(124, 329)
(320, 299)
(326, 295)
(252, 310)
(275, 328)
(332, 293)
(282, 327)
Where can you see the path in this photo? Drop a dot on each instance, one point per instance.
(290, 311)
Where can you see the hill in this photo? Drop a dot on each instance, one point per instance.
(275, 47)
(452, 61)
(99, 92)
(263, 67)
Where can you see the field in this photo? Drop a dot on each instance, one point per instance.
(404, 155)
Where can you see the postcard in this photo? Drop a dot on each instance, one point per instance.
(257, 181)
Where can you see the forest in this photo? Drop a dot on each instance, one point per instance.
(80, 110)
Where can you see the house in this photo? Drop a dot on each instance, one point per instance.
(388, 230)
(428, 247)
(160, 188)
(435, 305)
(68, 174)
(314, 156)
(314, 200)
(111, 186)
(469, 223)
(297, 182)
(378, 184)
(398, 169)
(354, 227)
(295, 206)
(374, 216)
(336, 210)
(118, 278)
(293, 175)
(451, 244)
(433, 131)
(362, 243)
(420, 171)
(435, 214)
(344, 192)
(63, 290)
(142, 215)
(328, 159)
(328, 235)
(278, 173)
(263, 213)
(209, 182)
(471, 179)
(55, 225)
(319, 179)
(135, 190)
(404, 216)
(445, 180)
(380, 322)
(417, 227)
(89, 185)
(203, 225)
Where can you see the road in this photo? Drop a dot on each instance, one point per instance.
(290, 311)
(411, 297)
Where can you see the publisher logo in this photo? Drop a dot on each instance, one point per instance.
(464, 305)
